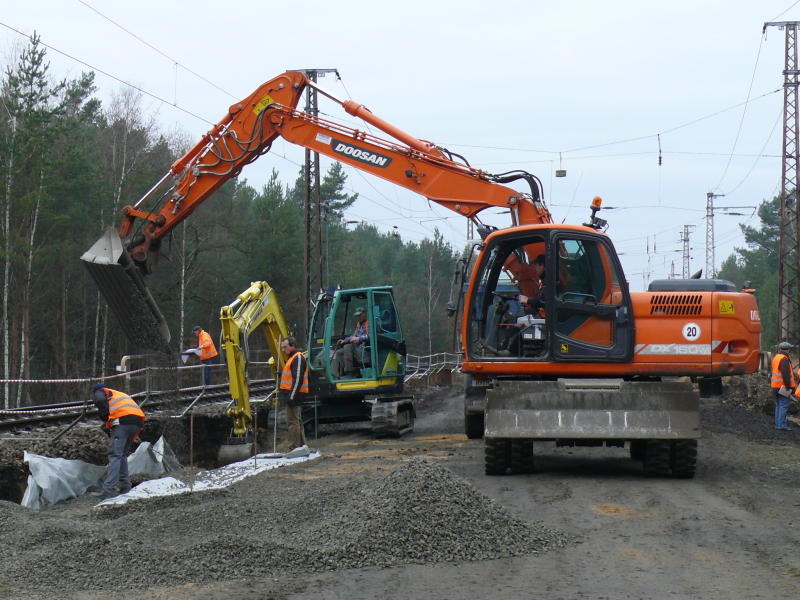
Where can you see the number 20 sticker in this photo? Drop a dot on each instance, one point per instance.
(691, 332)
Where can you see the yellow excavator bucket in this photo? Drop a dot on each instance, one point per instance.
(123, 287)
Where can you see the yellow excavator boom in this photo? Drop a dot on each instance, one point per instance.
(256, 307)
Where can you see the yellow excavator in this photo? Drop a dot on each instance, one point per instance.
(372, 391)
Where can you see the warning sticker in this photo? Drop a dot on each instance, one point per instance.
(262, 104)
(726, 307)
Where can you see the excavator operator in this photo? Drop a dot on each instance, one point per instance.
(533, 300)
(345, 358)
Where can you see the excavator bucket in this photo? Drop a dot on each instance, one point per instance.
(124, 289)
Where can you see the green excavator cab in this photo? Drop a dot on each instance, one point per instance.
(379, 363)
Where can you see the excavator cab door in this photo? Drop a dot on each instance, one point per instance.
(318, 342)
(590, 313)
(386, 337)
(574, 308)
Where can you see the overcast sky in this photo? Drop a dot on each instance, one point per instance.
(577, 85)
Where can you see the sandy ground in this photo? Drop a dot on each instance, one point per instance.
(731, 532)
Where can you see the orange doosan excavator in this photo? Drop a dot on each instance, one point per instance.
(582, 361)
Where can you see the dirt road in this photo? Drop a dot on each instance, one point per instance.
(731, 532)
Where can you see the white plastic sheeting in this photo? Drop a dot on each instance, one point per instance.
(55, 479)
(216, 478)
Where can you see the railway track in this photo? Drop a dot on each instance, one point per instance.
(157, 402)
(166, 402)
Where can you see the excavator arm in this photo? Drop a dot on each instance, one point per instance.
(256, 307)
(118, 261)
(252, 125)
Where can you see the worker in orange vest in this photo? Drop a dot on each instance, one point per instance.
(122, 420)
(293, 389)
(783, 384)
(206, 352)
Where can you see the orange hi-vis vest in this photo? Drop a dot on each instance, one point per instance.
(286, 376)
(121, 405)
(777, 378)
(206, 345)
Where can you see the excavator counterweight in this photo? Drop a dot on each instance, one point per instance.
(122, 285)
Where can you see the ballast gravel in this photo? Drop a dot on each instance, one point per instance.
(268, 525)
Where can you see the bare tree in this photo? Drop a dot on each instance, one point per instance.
(129, 135)
(7, 261)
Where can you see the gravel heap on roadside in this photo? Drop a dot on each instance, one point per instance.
(82, 443)
(265, 525)
(746, 409)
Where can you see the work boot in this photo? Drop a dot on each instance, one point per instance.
(101, 495)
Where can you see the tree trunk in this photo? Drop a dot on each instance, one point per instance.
(7, 268)
(27, 283)
(430, 304)
(182, 308)
(62, 360)
(96, 339)
(105, 340)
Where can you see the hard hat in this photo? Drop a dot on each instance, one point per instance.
(98, 386)
(785, 346)
(359, 311)
(196, 328)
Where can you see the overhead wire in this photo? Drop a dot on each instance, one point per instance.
(761, 154)
(152, 47)
(186, 111)
(785, 11)
(163, 100)
(744, 113)
(109, 75)
(623, 140)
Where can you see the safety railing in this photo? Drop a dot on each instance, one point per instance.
(421, 367)
(143, 384)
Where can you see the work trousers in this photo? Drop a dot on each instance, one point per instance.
(207, 370)
(296, 435)
(345, 360)
(118, 448)
(781, 411)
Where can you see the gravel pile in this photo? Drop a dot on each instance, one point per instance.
(82, 443)
(746, 409)
(266, 525)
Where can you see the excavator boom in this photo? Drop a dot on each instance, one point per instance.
(255, 308)
(246, 132)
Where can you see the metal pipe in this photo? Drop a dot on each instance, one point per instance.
(191, 440)
(77, 420)
(153, 189)
(188, 408)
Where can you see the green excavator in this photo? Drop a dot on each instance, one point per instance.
(372, 390)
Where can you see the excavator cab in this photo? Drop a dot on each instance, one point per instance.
(378, 364)
(577, 307)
